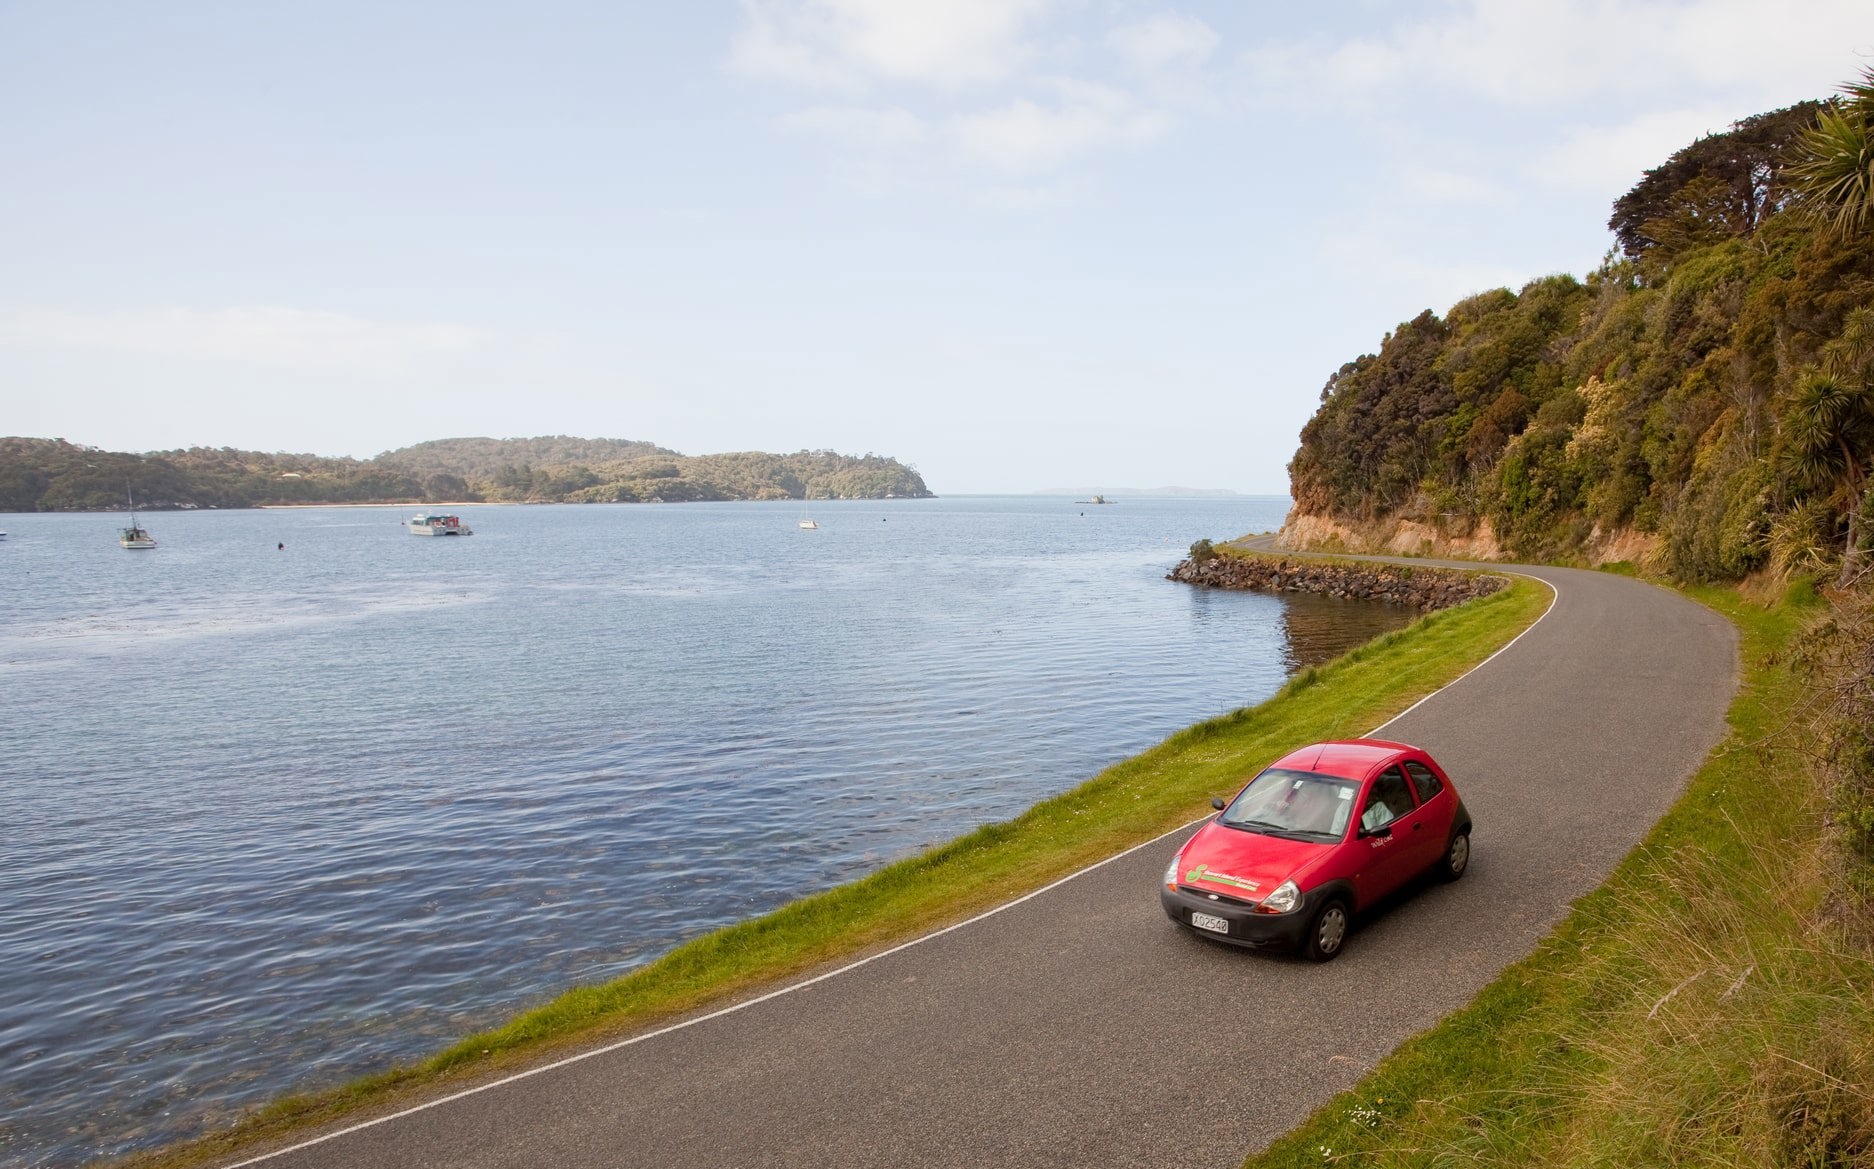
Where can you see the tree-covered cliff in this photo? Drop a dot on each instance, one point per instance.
(1710, 387)
(53, 475)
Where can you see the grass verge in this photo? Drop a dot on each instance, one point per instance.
(1128, 803)
(1697, 1009)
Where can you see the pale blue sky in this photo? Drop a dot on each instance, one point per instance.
(1019, 244)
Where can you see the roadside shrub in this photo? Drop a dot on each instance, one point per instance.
(1837, 653)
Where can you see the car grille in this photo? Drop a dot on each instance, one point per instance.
(1223, 897)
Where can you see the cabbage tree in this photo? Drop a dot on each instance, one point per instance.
(1834, 174)
(1828, 430)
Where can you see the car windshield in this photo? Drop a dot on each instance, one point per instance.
(1293, 803)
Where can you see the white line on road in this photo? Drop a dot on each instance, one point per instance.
(1555, 595)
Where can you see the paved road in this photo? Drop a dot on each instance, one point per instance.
(1081, 1028)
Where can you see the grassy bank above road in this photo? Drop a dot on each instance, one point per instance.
(1702, 1008)
(1129, 803)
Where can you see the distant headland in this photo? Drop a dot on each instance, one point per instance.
(50, 474)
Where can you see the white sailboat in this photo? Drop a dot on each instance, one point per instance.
(806, 521)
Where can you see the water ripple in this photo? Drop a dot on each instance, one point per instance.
(275, 819)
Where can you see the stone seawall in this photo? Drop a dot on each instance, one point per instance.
(1426, 588)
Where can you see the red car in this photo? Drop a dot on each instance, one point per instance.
(1320, 835)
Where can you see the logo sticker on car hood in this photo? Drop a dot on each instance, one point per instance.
(1204, 873)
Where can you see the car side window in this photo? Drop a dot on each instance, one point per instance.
(1389, 800)
(1424, 779)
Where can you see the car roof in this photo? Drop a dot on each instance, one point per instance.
(1348, 758)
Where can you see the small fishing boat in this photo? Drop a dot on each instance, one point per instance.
(134, 536)
(425, 524)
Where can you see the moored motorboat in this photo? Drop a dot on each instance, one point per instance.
(425, 524)
(134, 536)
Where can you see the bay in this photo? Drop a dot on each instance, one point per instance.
(275, 817)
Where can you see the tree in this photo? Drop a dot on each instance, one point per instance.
(1829, 430)
(1722, 185)
(1834, 178)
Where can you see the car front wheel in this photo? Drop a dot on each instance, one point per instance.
(1457, 857)
(1327, 932)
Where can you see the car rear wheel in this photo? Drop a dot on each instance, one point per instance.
(1457, 857)
(1327, 932)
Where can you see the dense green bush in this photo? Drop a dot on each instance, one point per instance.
(1837, 656)
(1665, 393)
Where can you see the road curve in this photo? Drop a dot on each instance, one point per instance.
(1080, 1027)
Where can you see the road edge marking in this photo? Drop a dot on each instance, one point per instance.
(717, 1014)
(1555, 595)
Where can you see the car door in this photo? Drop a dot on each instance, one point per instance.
(1437, 808)
(1391, 826)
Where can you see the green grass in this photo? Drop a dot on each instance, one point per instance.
(1698, 1009)
(1335, 553)
(1129, 803)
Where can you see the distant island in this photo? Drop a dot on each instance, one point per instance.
(50, 474)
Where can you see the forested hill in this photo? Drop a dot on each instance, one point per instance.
(1704, 400)
(483, 458)
(39, 474)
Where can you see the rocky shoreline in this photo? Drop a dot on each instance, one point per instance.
(1422, 587)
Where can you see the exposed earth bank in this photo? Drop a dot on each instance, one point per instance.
(1456, 537)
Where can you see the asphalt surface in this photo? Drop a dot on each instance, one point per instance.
(1080, 1027)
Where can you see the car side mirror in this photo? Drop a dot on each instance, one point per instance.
(1384, 831)
(1216, 802)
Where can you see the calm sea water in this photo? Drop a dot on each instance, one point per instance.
(272, 818)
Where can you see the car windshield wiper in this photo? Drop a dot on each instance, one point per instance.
(1262, 826)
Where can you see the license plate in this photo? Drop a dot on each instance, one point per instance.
(1211, 922)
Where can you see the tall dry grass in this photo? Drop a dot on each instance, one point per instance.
(1734, 1025)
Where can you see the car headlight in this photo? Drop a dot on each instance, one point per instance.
(1171, 874)
(1285, 898)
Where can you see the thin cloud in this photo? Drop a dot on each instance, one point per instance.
(1429, 283)
(1028, 197)
(888, 128)
(1438, 185)
(1610, 159)
(850, 43)
(274, 336)
(1522, 54)
(964, 90)
(1026, 136)
(1168, 40)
